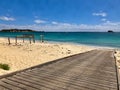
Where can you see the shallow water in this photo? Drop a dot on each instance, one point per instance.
(88, 38)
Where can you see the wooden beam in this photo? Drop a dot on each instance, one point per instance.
(16, 40)
(9, 41)
(30, 39)
(23, 39)
(33, 39)
(42, 38)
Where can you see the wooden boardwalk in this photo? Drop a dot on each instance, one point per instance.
(94, 70)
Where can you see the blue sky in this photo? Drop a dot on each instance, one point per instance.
(60, 15)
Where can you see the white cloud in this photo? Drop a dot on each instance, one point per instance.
(54, 22)
(39, 21)
(104, 19)
(65, 24)
(4, 18)
(112, 23)
(59, 23)
(102, 14)
(65, 27)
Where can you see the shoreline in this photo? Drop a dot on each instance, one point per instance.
(72, 43)
(80, 44)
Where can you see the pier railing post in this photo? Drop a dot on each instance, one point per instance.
(9, 41)
(16, 40)
(30, 39)
(42, 38)
(23, 39)
(33, 39)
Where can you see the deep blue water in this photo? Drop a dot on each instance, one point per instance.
(89, 38)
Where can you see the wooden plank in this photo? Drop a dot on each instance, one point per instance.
(31, 83)
(28, 85)
(45, 81)
(39, 77)
(3, 88)
(61, 81)
(9, 86)
(17, 84)
(44, 75)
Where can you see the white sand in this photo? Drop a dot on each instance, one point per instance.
(25, 55)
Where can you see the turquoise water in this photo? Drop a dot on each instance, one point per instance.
(88, 38)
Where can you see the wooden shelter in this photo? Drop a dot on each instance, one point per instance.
(24, 36)
(29, 36)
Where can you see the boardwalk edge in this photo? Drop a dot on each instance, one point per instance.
(117, 71)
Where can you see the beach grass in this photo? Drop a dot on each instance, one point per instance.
(4, 66)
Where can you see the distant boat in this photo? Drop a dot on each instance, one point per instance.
(110, 31)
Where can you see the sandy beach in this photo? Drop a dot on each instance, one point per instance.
(117, 56)
(25, 55)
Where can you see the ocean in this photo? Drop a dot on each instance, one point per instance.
(88, 38)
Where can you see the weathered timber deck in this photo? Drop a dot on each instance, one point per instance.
(94, 70)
